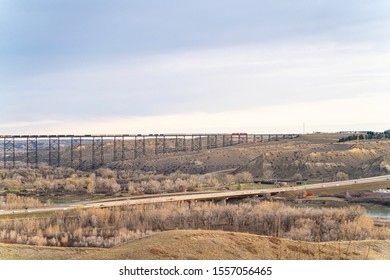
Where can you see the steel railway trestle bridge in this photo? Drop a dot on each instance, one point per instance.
(93, 151)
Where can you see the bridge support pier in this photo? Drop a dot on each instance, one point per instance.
(119, 148)
(180, 143)
(9, 152)
(76, 152)
(54, 151)
(32, 152)
(242, 138)
(211, 141)
(196, 143)
(139, 146)
(220, 201)
(227, 140)
(159, 145)
(97, 152)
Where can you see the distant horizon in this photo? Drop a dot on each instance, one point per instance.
(167, 133)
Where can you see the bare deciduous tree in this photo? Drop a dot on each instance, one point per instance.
(244, 177)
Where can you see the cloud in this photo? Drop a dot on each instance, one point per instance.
(214, 80)
(25, 125)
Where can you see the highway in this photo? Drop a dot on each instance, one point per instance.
(200, 196)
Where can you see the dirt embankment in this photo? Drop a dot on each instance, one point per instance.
(282, 159)
(323, 161)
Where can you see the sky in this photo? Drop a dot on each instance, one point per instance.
(144, 66)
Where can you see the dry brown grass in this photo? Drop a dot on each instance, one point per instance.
(13, 201)
(209, 245)
(27, 252)
(218, 245)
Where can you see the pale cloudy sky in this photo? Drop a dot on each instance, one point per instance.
(194, 66)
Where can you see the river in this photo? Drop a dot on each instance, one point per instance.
(379, 213)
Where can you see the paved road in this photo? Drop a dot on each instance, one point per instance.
(203, 196)
(245, 193)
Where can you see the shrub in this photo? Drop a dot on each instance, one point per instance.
(342, 176)
(13, 201)
(229, 179)
(106, 173)
(244, 177)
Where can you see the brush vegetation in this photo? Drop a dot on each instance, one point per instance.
(106, 227)
(60, 181)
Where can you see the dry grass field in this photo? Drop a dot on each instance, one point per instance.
(26, 252)
(209, 245)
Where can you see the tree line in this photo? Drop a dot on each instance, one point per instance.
(369, 135)
(106, 227)
(106, 181)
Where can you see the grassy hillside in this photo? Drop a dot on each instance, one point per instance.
(214, 245)
(309, 157)
(314, 156)
(27, 252)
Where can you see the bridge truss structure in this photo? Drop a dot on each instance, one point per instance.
(93, 151)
